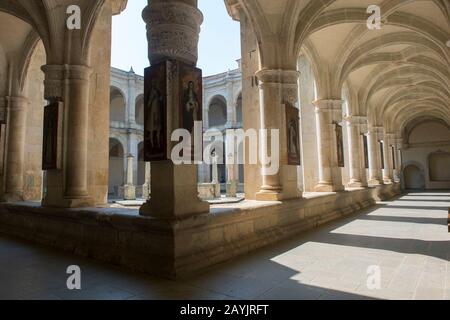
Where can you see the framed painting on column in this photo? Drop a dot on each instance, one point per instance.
(155, 113)
(366, 152)
(381, 144)
(51, 146)
(293, 135)
(191, 105)
(340, 145)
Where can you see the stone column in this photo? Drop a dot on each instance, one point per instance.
(277, 88)
(129, 187)
(173, 29)
(70, 84)
(398, 145)
(231, 104)
(375, 172)
(215, 176)
(147, 181)
(388, 172)
(355, 153)
(232, 180)
(15, 149)
(328, 113)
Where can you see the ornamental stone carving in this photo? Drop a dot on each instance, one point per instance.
(287, 80)
(173, 30)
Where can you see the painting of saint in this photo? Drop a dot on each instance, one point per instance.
(366, 152)
(340, 146)
(191, 96)
(50, 137)
(155, 142)
(293, 136)
(381, 143)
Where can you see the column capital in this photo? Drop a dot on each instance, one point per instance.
(173, 29)
(376, 129)
(278, 76)
(55, 76)
(328, 105)
(354, 119)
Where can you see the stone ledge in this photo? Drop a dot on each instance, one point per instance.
(179, 248)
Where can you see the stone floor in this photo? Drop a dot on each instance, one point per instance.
(406, 240)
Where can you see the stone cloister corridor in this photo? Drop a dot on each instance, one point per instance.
(330, 150)
(406, 238)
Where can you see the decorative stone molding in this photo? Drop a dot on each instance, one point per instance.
(53, 83)
(286, 79)
(55, 76)
(328, 105)
(17, 103)
(173, 30)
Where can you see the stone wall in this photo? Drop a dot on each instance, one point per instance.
(177, 248)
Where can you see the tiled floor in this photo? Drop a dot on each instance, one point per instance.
(406, 240)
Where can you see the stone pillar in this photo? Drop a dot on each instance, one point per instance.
(375, 172)
(231, 104)
(147, 181)
(232, 179)
(70, 84)
(277, 88)
(215, 176)
(15, 150)
(173, 29)
(328, 114)
(129, 192)
(355, 153)
(388, 172)
(398, 145)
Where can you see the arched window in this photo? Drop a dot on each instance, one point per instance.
(217, 112)
(139, 110)
(239, 118)
(116, 164)
(117, 105)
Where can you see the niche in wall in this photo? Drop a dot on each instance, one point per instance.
(439, 166)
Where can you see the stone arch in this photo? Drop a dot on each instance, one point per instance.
(117, 104)
(217, 111)
(413, 176)
(139, 110)
(116, 165)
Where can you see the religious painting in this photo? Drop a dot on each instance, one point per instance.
(340, 146)
(191, 104)
(394, 164)
(382, 154)
(366, 152)
(50, 136)
(191, 96)
(2, 114)
(155, 113)
(293, 135)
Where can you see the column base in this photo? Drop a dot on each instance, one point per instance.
(174, 192)
(387, 181)
(185, 208)
(232, 189)
(355, 184)
(79, 202)
(328, 187)
(129, 192)
(277, 195)
(375, 182)
(13, 197)
(269, 196)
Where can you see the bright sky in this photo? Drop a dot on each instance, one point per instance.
(219, 46)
